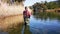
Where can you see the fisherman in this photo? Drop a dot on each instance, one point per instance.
(26, 15)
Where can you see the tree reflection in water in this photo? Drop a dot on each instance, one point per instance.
(46, 15)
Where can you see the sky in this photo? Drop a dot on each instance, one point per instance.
(31, 2)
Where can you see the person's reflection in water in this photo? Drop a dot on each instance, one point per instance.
(26, 29)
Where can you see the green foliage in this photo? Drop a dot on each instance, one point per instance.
(46, 5)
(52, 5)
(39, 6)
(30, 7)
(58, 1)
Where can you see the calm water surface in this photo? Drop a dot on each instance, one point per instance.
(37, 26)
(42, 26)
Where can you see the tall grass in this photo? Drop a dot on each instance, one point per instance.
(6, 10)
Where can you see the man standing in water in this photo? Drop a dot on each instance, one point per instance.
(26, 15)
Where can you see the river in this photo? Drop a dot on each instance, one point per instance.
(37, 25)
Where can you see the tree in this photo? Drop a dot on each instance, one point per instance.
(45, 5)
(58, 1)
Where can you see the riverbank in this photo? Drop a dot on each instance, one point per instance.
(9, 21)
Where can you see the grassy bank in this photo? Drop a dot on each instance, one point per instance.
(9, 21)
